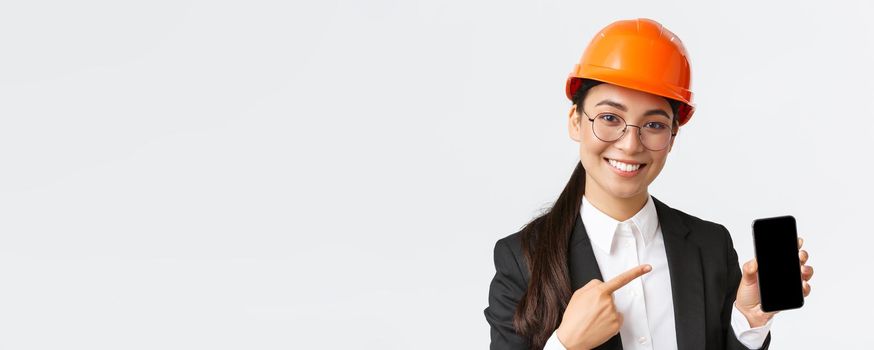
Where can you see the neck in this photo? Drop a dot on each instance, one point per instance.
(619, 209)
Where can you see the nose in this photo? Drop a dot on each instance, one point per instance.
(630, 140)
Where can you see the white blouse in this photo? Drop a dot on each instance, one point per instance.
(645, 303)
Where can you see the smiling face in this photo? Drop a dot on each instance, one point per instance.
(606, 179)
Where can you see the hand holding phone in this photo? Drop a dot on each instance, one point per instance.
(779, 265)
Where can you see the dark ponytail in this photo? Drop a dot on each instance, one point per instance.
(545, 247)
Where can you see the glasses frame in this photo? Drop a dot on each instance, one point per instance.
(625, 129)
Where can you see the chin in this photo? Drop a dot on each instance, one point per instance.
(626, 192)
(624, 189)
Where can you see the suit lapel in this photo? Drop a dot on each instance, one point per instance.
(687, 282)
(581, 258)
(684, 265)
(583, 268)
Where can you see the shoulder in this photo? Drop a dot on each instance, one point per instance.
(705, 233)
(508, 254)
(512, 241)
(697, 224)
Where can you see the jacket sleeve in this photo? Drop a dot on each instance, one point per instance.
(734, 277)
(505, 291)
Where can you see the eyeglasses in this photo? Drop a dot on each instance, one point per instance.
(609, 127)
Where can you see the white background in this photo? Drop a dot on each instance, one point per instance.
(334, 174)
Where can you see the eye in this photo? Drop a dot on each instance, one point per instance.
(609, 118)
(656, 125)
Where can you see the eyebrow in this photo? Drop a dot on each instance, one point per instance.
(622, 107)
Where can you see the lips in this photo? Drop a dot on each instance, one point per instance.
(625, 167)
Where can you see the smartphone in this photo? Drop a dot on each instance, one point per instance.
(776, 246)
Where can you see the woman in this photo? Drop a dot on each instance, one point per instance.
(609, 266)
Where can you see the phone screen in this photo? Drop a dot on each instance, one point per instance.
(776, 245)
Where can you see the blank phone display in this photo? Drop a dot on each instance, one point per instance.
(776, 245)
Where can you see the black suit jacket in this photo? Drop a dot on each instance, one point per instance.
(702, 263)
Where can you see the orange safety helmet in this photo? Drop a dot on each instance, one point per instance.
(638, 54)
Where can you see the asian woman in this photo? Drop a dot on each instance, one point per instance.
(610, 266)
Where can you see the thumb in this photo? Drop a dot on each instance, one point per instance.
(749, 272)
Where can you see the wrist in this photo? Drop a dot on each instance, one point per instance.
(755, 316)
(562, 337)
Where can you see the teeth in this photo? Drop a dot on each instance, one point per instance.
(623, 166)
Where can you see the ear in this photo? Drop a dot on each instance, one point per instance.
(573, 124)
(671, 145)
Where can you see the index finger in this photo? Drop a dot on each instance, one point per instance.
(800, 242)
(622, 279)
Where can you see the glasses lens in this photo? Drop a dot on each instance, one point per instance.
(655, 136)
(608, 127)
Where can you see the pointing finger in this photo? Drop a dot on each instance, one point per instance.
(625, 277)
